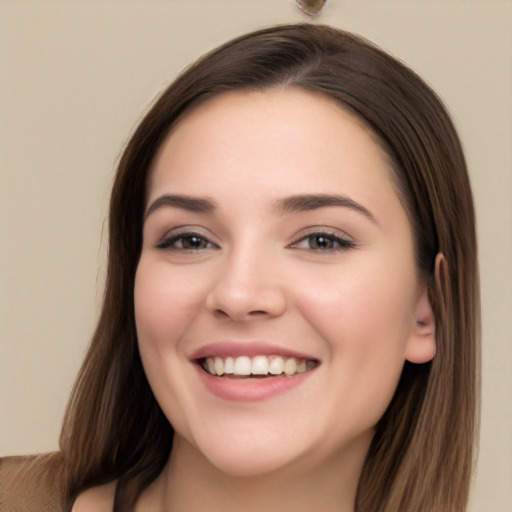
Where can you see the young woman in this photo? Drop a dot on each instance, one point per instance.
(291, 309)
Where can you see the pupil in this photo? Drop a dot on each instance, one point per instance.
(321, 242)
(192, 242)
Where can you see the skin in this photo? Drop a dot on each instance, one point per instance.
(337, 282)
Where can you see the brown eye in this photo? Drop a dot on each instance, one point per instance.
(324, 242)
(321, 242)
(186, 242)
(193, 242)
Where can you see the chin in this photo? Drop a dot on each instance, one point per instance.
(248, 454)
(250, 464)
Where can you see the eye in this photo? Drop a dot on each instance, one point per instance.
(187, 241)
(326, 242)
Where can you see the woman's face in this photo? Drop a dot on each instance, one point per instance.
(276, 297)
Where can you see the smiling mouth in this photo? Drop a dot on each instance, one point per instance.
(259, 366)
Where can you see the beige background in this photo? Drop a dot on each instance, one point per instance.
(75, 76)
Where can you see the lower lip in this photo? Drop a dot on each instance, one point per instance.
(251, 389)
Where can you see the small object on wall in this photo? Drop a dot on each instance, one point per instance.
(311, 7)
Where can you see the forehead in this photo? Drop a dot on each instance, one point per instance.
(286, 130)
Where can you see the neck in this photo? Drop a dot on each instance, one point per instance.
(190, 483)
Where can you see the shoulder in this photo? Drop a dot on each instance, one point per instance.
(32, 483)
(96, 499)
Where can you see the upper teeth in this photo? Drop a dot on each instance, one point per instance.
(257, 365)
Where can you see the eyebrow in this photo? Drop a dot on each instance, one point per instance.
(297, 203)
(301, 203)
(189, 203)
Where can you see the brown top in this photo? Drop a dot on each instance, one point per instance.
(31, 484)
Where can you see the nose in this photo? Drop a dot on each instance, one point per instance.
(247, 287)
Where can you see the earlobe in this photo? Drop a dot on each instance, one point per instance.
(421, 347)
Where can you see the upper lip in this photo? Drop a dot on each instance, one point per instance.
(245, 348)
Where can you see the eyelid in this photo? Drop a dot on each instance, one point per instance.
(344, 241)
(181, 232)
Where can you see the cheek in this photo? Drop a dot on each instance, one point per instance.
(364, 318)
(165, 303)
(365, 307)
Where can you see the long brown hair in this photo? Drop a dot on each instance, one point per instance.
(422, 452)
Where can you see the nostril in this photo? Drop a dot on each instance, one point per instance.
(249, 314)
(220, 312)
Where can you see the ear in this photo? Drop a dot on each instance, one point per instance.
(421, 345)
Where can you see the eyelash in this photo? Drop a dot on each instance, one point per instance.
(171, 242)
(336, 243)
